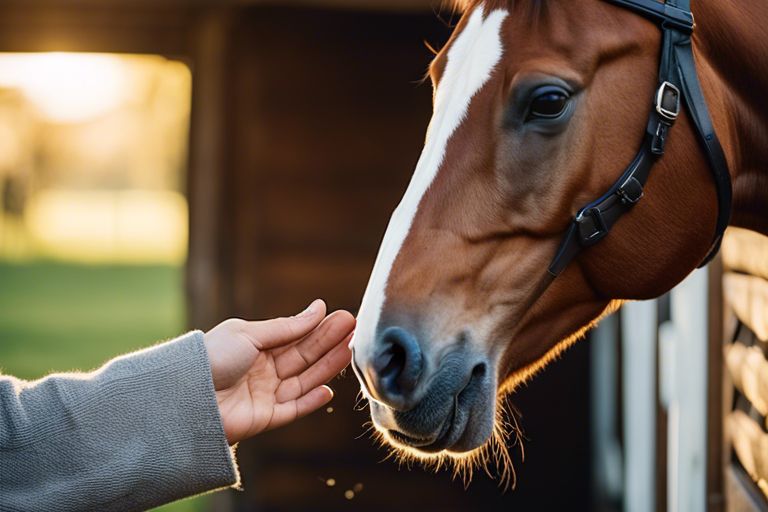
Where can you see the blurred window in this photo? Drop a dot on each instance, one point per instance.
(93, 219)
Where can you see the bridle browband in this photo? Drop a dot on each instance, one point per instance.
(678, 81)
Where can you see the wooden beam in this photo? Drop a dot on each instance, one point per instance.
(748, 296)
(745, 251)
(742, 493)
(715, 411)
(206, 268)
(35, 27)
(383, 5)
(751, 445)
(749, 372)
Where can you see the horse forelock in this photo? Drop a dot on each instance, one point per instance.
(490, 5)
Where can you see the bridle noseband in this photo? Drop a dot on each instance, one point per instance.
(678, 81)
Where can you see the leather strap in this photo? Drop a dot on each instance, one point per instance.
(676, 15)
(697, 106)
(678, 80)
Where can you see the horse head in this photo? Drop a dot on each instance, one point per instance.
(539, 106)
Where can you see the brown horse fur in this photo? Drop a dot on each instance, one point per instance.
(489, 225)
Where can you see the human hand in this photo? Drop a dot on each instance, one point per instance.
(267, 374)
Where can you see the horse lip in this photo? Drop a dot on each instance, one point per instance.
(427, 443)
(414, 442)
(446, 436)
(446, 432)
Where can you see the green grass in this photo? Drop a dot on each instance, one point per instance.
(57, 317)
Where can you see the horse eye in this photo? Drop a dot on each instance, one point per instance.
(548, 104)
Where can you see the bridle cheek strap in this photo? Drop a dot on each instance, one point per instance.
(678, 81)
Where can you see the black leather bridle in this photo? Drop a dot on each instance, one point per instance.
(678, 81)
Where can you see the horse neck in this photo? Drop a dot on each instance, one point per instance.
(731, 43)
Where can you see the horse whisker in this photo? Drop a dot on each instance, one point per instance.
(493, 458)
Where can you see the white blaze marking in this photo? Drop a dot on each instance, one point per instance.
(470, 62)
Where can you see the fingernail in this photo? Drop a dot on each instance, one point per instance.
(309, 311)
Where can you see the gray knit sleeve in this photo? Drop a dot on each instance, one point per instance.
(141, 431)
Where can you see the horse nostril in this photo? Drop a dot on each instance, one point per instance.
(478, 370)
(393, 360)
(398, 365)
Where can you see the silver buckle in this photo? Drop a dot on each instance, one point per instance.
(668, 115)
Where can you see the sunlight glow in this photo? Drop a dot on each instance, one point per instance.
(93, 150)
(67, 87)
(100, 226)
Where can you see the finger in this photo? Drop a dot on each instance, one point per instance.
(310, 339)
(291, 410)
(269, 334)
(322, 371)
(294, 359)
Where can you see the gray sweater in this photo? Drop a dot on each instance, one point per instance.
(141, 431)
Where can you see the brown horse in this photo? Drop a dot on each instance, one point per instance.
(538, 106)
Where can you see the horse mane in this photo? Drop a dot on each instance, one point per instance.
(463, 5)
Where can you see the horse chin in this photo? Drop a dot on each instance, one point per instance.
(445, 423)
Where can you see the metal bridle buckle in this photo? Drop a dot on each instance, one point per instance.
(592, 227)
(631, 191)
(668, 115)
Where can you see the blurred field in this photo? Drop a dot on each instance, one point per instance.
(60, 317)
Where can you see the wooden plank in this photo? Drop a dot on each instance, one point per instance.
(715, 369)
(749, 372)
(206, 267)
(290, 280)
(748, 296)
(742, 494)
(149, 29)
(389, 5)
(304, 217)
(745, 251)
(317, 170)
(750, 443)
(728, 401)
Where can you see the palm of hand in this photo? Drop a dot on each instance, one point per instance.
(249, 406)
(268, 374)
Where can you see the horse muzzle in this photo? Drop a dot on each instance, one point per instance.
(427, 403)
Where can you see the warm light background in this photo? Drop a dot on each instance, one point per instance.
(93, 219)
(93, 147)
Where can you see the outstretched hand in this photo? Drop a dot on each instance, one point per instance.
(267, 374)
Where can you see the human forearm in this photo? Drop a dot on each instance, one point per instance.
(142, 431)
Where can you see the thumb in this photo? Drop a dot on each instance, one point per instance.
(269, 334)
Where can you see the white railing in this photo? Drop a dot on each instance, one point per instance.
(684, 339)
(676, 351)
(638, 335)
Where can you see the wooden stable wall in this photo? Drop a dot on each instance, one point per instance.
(327, 122)
(745, 284)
